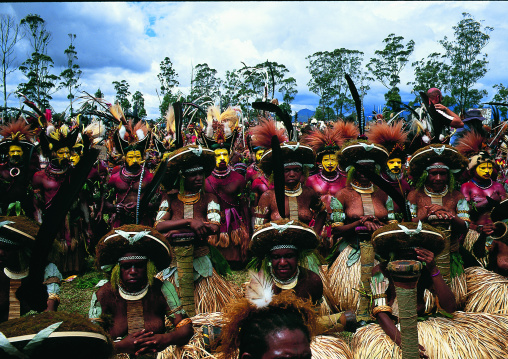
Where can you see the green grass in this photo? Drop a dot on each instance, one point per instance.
(76, 295)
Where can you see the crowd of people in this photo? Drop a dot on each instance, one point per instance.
(384, 230)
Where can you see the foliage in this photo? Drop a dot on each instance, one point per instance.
(205, 85)
(467, 62)
(70, 76)
(501, 96)
(429, 73)
(10, 35)
(389, 62)
(328, 80)
(167, 76)
(138, 103)
(37, 68)
(122, 94)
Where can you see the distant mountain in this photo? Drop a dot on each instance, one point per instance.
(305, 114)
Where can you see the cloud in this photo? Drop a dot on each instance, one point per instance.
(118, 40)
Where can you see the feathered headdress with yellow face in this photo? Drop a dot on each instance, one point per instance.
(57, 135)
(17, 133)
(221, 128)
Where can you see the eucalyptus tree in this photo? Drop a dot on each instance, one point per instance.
(71, 74)
(41, 82)
(467, 61)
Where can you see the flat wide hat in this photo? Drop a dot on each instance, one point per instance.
(74, 337)
(392, 242)
(135, 239)
(282, 232)
(291, 152)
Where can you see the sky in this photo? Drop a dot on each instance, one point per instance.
(128, 40)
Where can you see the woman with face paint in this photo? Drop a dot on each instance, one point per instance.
(357, 211)
(436, 201)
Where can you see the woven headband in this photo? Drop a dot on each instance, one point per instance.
(293, 164)
(283, 246)
(132, 258)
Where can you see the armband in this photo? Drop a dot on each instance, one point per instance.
(213, 212)
(381, 308)
(184, 322)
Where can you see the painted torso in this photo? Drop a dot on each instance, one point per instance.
(472, 192)
(325, 187)
(227, 188)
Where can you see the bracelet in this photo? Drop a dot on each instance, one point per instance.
(381, 308)
(184, 322)
(438, 273)
(378, 296)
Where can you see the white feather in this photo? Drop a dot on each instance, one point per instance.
(140, 134)
(122, 131)
(259, 290)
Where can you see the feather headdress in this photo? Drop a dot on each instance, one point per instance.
(262, 134)
(221, 128)
(259, 290)
(474, 147)
(95, 131)
(16, 131)
(347, 130)
(393, 137)
(325, 141)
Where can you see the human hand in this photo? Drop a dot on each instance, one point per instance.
(133, 343)
(199, 227)
(426, 256)
(487, 228)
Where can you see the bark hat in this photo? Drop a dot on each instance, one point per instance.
(282, 233)
(428, 155)
(393, 241)
(55, 335)
(18, 230)
(136, 239)
(188, 159)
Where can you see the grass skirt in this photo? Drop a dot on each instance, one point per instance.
(487, 291)
(467, 335)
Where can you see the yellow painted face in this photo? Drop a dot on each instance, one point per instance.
(15, 151)
(484, 170)
(394, 165)
(75, 157)
(133, 157)
(63, 154)
(330, 162)
(221, 157)
(259, 154)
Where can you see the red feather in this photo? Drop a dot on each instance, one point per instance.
(262, 134)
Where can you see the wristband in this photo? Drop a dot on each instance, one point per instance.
(436, 274)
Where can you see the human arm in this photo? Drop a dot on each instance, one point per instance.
(442, 290)
(455, 120)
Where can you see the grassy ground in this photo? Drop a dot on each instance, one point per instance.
(76, 295)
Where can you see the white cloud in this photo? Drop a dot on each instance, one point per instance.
(113, 41)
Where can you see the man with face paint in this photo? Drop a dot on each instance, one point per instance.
(18, 170)
(481, 185)
(393, 137)
(127, 185)
(56, 143)
(329, 180)
(229, 186)
(260, 184)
